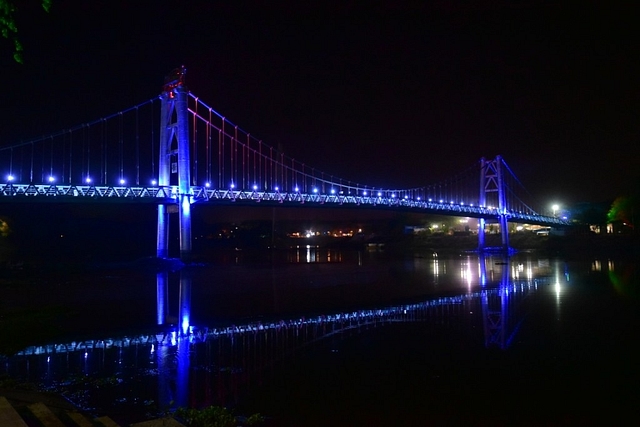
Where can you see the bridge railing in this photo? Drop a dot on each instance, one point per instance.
(167, 194)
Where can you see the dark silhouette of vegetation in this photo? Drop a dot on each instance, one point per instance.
(9, 28)
(215, 416)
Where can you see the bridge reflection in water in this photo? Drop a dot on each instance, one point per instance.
(194, 366)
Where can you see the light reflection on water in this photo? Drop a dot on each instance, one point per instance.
(203, 360)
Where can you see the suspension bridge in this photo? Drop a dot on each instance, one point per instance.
(176, 151)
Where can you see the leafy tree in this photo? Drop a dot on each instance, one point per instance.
(624, 209)
(8, 27)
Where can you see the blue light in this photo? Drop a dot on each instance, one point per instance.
(255, 187)
(296, 189)
(441, 200)
(315, 190)
(364, 193)
(379, 194)
(88, 180)
(419, 198)
(277, 188)
(393, 196)
(10, 178)
(206, 184)
(122, 181)
(233, 186)
(431, 200)
(406, 197)
(333, 191)
(51, 179)
(185, 324)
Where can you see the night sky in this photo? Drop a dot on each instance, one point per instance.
(393, 94)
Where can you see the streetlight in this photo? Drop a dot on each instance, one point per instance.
(555, 209)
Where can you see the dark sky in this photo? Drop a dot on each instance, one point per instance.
(392, 94)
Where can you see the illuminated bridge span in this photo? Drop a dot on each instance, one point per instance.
(176, 150)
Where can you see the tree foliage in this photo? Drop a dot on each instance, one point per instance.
(9, 28)
(624, 209)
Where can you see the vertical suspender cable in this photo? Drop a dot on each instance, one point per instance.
(121, 148)
(220, 153)
(51, 164)
(194, 154)
(194, 148)
(137, 149)
(103, 160)
(209, 148)
(234, 157)
(70, 153)
(64, 146)
(153, 151)
(282, 168)
(42, 176)
(260, 164)
(271, 165)
(31, 171)
(248, 155)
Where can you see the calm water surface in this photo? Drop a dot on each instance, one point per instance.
(325, 337)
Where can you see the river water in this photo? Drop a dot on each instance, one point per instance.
(314, 336)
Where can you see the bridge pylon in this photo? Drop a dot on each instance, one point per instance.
(174, 159)
(492, 183)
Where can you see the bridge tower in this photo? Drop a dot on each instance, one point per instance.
(491, 182)
(174, 158)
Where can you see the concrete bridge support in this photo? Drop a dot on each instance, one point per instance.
(175, 159)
